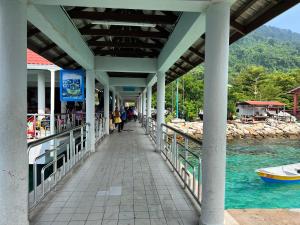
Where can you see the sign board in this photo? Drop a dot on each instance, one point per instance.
(71, 86)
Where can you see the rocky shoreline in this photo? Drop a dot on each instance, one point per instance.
(238, 130)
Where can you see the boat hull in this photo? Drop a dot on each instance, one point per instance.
(270, 178)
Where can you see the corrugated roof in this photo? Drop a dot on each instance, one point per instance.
(295, 90)
(262, 103)
(35, 59)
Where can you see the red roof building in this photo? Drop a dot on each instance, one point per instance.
(262, 103)
(35, 59)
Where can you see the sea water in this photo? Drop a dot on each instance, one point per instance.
(245, 189)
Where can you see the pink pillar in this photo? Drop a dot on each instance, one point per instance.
(295, 109)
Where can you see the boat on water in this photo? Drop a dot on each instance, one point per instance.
(280, 174)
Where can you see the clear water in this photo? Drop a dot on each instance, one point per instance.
(244, 189)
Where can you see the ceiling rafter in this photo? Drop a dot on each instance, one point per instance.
(47, 48)
(122, 17)
(123, 44)
(125, 53)
(123, 33)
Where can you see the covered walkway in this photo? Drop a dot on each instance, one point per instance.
(123, 182)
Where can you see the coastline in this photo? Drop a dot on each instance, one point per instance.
(239, 130)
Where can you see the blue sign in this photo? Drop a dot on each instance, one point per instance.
(71, 86)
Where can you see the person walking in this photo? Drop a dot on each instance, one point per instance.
(117, 119)
(123, 117)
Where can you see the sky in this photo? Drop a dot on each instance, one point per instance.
(288, 20)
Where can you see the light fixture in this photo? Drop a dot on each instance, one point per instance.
(129, 24)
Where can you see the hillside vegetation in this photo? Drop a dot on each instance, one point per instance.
(264, 65)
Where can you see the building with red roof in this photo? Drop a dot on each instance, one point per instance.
(259, 109)
(35, 61)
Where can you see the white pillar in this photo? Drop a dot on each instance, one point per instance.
(13, 97)
(215, 113)
(90, 108)
(113, 100)
(106, 107)
(41, 93)
(160, 104)
(117, 102)
(63, 107)
(52, 103)
(144, 94)
(141, 104)
(149, 101)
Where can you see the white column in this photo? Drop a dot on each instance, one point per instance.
(106, 107)
(149, 101)
(113, 100)
(160, 104)
(52, 103)
(141, 104)
(144, 94)
(215, 113)
(13, 98)
(90, 108)
(41, 92)
(117, 101)
(63, 107)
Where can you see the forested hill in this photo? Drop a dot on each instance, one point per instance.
(270, 47)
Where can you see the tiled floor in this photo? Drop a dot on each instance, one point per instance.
(124, 182)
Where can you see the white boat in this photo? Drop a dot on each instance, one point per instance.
(280, 174)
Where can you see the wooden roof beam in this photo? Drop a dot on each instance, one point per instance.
(47, 48)
(121, 17)
(123, 33)
(196, 52)
(123, 44)
(32, 32)
(125, 53)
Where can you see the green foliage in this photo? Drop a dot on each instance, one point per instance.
(264, 65)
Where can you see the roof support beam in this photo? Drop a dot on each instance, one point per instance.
(122, 33)
(123, 44)
(123, 64)
(168, 5)
(121, 17)
(189, 28)
(53, 22)
(127, 82)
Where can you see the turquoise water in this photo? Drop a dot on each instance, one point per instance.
(244, 189)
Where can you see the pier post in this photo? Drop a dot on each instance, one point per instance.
(113, 101)
(149, 101)
(90, 108)
(144, 94)
(41, 79)
(106, 107)
(13, 97)
(215, 112)
(160, 105)
(52, 102)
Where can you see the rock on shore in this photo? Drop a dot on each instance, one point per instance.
(238, 130)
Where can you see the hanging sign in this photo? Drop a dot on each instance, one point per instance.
(71, 86)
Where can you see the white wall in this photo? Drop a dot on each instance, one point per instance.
(248, 110)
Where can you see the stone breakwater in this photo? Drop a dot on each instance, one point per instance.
(238, 130)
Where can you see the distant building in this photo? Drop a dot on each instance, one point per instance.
(259, 109)
(295, 92)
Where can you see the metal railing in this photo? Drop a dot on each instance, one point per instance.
(67, 149)
(183, 152)
(99, 128)
(152, 129)
(38, 125)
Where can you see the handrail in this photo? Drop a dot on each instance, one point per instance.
(182, 134)
(32, 144)
(71, 159)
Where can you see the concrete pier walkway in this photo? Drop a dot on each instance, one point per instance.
(124, 183)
